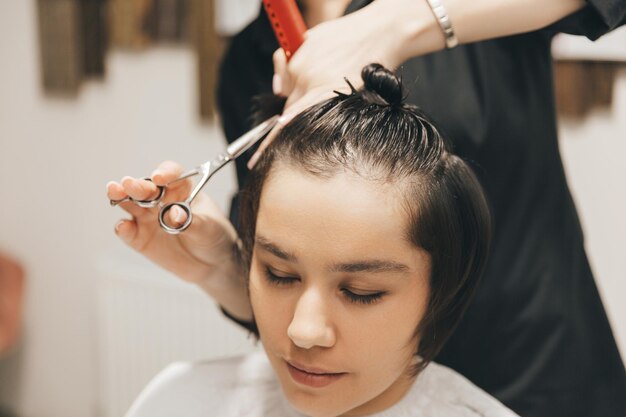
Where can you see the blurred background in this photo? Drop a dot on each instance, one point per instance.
(92, 90)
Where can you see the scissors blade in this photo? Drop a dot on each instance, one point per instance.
(244, 143)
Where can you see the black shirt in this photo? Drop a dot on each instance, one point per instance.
(536, 336)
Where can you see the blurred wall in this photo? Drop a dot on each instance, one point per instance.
(57, 155)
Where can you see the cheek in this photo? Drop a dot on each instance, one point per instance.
(389, 328)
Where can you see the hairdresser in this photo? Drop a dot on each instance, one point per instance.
(536, 336)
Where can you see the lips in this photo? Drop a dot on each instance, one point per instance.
(312, 376)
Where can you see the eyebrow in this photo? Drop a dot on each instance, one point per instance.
(274, 250)
(370, 266)
(373, 265)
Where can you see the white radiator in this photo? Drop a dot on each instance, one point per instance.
(147, 319)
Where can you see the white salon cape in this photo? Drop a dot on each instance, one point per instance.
(246, 386)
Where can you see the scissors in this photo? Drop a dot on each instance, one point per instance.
(206, 170)
(289, 28)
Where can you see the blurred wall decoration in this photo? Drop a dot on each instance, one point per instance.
(75, 35)
(584, 86)
(60, 40)
(126, 23)
(585, 72)
(209, 48)
(93, 35)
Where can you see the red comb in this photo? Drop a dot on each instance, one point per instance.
(288, 24)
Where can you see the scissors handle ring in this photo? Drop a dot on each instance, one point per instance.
(175, 230)
(153, 202)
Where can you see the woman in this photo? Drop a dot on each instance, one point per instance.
(364, 238)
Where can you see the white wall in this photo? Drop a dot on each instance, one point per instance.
(57, 155)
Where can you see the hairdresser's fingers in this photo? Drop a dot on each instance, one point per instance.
(139, 189)
(136, 211)
(130, 230)
(143, 239)
(126, 230)
(115, 191)
(282, 83)
(166, 172)
(210, 235)
(176, 217)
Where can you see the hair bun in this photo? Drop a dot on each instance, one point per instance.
(383, 83)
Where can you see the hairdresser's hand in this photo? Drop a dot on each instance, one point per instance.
(335, 50)
(204, 254)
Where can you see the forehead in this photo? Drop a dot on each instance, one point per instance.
(337, 217)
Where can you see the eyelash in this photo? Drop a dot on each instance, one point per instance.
(352, 297)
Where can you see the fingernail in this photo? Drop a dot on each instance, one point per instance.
(118, 226)
(156, 173)
(277, 85)
(254, 160)
(126, 180)
(178, 214)
(131, 183)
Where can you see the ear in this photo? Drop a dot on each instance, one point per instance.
(11, 294)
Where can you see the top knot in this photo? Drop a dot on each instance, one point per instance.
(382, 83)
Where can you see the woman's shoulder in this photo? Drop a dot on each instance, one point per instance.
(441, 391)
(225, 387)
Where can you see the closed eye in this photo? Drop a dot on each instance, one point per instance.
(284, 280)
(362, 298)
(276, 279)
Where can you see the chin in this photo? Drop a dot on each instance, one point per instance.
(313, 405)
(310, 411)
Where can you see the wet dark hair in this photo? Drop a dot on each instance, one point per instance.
(373, 133)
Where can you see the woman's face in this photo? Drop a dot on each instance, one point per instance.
(337, 291)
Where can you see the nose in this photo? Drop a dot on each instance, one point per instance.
(311, 325)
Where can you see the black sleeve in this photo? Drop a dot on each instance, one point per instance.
(597, 18)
